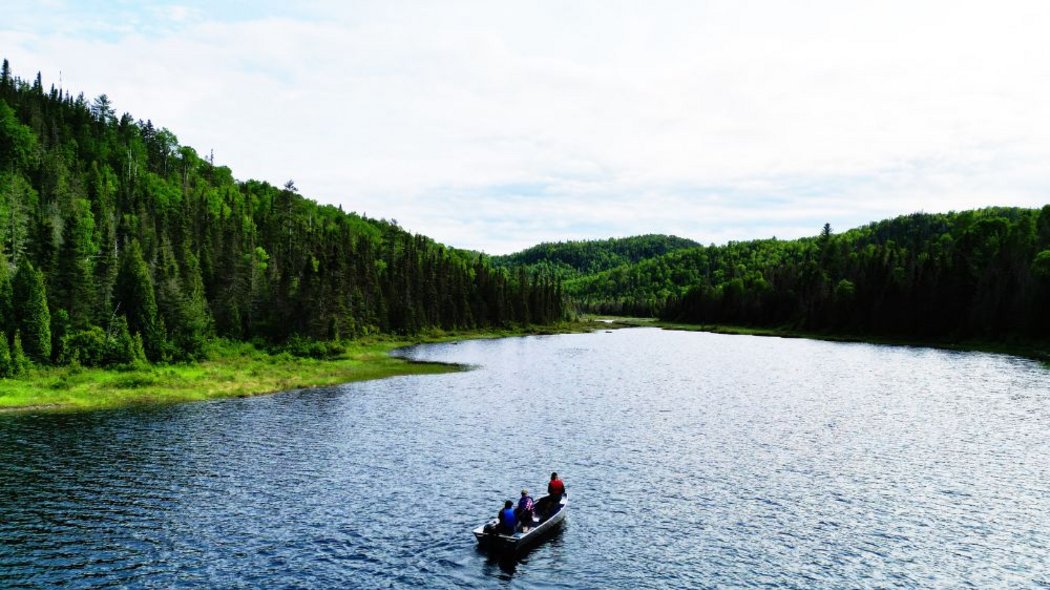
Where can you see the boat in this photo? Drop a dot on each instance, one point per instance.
(544, 522)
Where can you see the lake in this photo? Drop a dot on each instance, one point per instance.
(692, 460)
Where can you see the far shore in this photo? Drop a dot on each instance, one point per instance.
(1039, 351)
(233, 369)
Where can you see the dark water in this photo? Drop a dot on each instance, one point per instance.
(692, 460)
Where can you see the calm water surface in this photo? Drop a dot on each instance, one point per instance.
(692, 460)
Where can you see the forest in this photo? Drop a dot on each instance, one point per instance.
(119, 245)
(982, 274)
(573, 259)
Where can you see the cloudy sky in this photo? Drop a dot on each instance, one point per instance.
(496, 125)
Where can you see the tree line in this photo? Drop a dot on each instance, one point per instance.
(981, 274)
(118, 244)
(573, 259)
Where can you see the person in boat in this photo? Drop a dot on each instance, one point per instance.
(525, 510)
(508, 521)
(556, 488)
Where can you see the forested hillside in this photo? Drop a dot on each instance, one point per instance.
(117, 242)
(572, 259)
(974, 274)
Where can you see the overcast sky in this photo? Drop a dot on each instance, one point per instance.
(496, 125)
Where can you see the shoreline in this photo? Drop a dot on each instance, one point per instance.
(234, 369)
(1032, 350)
(238, 369)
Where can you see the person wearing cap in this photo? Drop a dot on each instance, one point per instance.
(526, 507)
(508, 521)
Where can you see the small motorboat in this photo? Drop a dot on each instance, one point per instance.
(546, 518)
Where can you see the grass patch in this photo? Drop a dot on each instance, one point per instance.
(232, 369)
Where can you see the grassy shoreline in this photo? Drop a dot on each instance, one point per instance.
(231, 370)
(1032, 350)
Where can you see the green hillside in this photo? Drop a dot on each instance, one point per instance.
(118, 242)
(572, 259)
(973, 274)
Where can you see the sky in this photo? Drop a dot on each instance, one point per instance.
(494, 125)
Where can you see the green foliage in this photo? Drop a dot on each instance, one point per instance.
(60, 328)
(1041, 265)
(19, 362)
(18, 200)
(74, 288)
(134, 296)
(306, 348)
(845, 291)
(568, 260)
(17, 141)
(86, 347)
(31, 312)
(7, 310)
(6, 367)
(94, 347)
(121, 347)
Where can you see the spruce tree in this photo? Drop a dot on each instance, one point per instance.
(134, 296)
(121, 348)
(31, 311)
(6, 369)
(74, 279)
(19, 362)
(61, 329)
(7, 311)
(102, 189)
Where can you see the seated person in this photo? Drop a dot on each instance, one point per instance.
(526, 508)
(508, 522)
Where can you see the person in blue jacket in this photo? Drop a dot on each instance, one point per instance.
(508, 521)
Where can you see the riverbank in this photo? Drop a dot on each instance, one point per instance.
(1032, 350)
(232, 369)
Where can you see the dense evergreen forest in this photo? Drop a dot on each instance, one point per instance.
(117, 244)
(981, 274)
(568, 260)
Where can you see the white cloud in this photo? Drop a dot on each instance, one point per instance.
(673, 117)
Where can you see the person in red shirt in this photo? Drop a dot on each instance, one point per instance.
(555, 489)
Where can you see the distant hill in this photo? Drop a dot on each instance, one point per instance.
(572, 259)
(981, 274)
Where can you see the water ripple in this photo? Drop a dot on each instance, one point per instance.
(693, 460)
